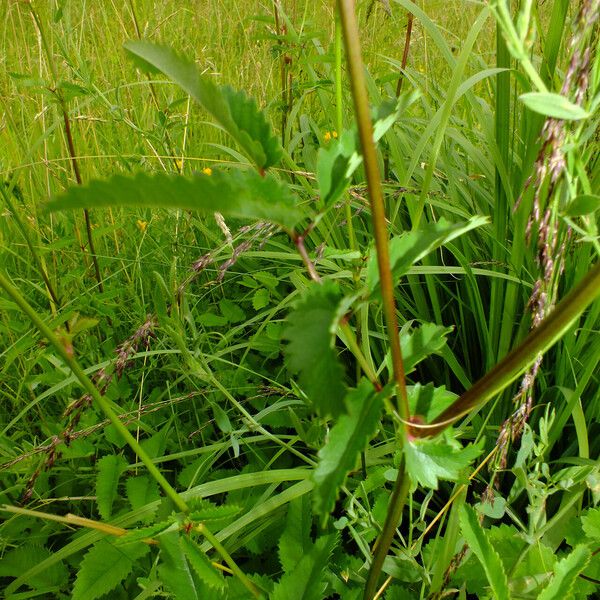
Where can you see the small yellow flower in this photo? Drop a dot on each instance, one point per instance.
(179, 164)
(327, 136)
(334, 134)
(207, 171)
(142, 225)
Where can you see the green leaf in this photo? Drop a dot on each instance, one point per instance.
(200, 563)
(235, 193)
(110, 468)
(174, 569)
(295, 540)
(311, 333)
(482, 548)
(428, 460)
(234, 111)
(419, 343)
(104, 567)
(231, 311)
(429, 401)
(553, 105)
(260, 299)
(411, 246)
(583, 205)
(346, 440)
(590, 522)
(141, 491)
(211, 514)
(335, 165)
(307, 580)
(566, 572)
(17, 561)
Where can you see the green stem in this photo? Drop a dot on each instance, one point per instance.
(365, 130)
(202, 529)
(91, 389)
(550, 330)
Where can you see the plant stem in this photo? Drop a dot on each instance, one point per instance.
(384, 541)
(405, 53)
(550, 330)
(91, 389)
(365, 129)
(202, 529)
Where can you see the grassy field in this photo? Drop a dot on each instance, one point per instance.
(202, 390)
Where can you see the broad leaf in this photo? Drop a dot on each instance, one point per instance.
(346, 440)
(295, 540)
(141, 491)
(590, 523)
(553, 105)
(566, 572)
(200, 563)
(583, 205)
(235, 193)
(429, 401)
(234, 111)
(19, 560)
(174, 569)
(428, 460)
(110, 468)
(411, 246)
(307, 580)
(482, 548)
(311, 333)
(419, 343)
(104, 567)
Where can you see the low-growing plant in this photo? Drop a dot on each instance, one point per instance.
(295, 433)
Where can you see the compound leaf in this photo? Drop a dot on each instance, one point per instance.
(234, 111)
(481, 546)
(566, 572)
(346, 440)
(104, 567)
(201, 564)
(428, 460)
(236, 193)
(310, 352)
(307, 580)
(110, 468)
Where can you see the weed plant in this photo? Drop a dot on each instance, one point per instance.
(299, 300)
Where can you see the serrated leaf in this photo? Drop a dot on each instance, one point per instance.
(420, 342)
(231, 311)
(584, 204)
(307, 580)
(174, 569)
(141, 491)
(204, 511)
(346, 440)
(236, 193)
(110, 468)
(428, 460)
(295, 540)
(553, 105)
(429, 401)
(411, 246)
(143, 533)
(590, 523)
(566, 572)
(104, 567)
(200, 563)
(234, 111)
(482, 548)
(260, 299)
(310, 352)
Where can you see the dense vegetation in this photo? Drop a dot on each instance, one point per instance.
(275, 323)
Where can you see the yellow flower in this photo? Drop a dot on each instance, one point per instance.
(330, 134)
(142, 225)
(334, 134)
(179, 163)
(207, 171)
